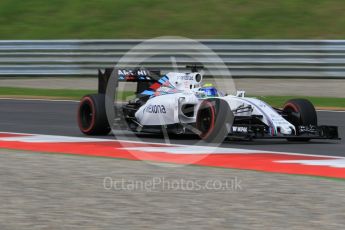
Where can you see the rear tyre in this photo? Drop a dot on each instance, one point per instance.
(301, 112)
(92, 117)
(214, 120)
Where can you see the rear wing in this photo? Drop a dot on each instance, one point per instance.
(143, 77)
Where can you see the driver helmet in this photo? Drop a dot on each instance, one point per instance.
(209, 90)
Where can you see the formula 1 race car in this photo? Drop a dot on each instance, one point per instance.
(179, 103)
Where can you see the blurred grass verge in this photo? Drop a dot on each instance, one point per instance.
(110, 19)
(68, 94)
(332, 103)
(74, 94)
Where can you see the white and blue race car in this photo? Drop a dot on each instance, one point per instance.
(179, 103)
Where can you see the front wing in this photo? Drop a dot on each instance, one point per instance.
(249, 132)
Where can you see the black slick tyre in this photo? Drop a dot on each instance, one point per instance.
(92, 117)
(214, 120)
(300, 112)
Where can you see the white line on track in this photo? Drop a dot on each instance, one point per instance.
(60, 138)
(335, 163)
(331, 111)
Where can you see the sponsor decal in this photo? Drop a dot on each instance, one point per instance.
(155, 109)
(142, 73)
(307, 129)
(185, 78)
(240, 129)
(130, 72)
(130, 75)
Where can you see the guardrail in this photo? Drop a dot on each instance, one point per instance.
(244, 58)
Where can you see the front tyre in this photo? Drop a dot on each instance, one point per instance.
(214, 120)
(92, 117)
(300, 112)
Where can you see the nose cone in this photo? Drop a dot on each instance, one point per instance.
(287, 130)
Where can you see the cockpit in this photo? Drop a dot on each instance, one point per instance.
(208, 91)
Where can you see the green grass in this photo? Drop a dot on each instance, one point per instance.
(75, 94)
(278, 101)
(76, 19)
(49, 93)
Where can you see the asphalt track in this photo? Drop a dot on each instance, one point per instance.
(59, 118)
(57, 191)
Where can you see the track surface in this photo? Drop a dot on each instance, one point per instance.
(59, 118)
(54, 191)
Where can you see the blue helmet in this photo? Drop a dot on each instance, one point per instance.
(209, 91)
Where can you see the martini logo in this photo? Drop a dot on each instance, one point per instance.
(124, 72)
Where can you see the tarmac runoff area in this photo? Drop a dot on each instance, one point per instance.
(253, 86)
